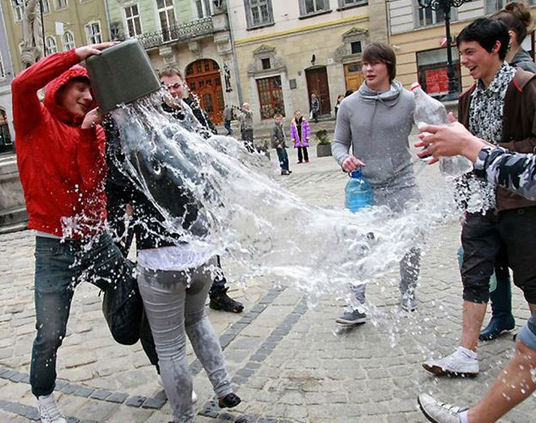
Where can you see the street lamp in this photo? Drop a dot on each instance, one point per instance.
(446, 6)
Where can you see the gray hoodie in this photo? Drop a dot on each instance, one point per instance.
(377, 125)
(523, 60)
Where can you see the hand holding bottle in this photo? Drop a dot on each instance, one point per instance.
(351, 163)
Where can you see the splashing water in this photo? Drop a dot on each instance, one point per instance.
(250, 218)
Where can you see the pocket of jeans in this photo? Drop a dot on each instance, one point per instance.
(47, 250)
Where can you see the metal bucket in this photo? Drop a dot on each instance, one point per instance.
(121, 74)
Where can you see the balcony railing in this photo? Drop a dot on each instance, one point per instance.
(182, 32)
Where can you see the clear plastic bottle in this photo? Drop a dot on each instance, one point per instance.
(359, 193)
(430, 111)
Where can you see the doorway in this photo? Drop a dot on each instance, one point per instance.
(317, 83)
(204, 79)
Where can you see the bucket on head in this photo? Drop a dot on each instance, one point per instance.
(121, 74)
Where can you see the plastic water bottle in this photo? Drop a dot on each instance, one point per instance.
(359, 193)
(430, 111)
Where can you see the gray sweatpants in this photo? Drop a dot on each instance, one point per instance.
(173, 311)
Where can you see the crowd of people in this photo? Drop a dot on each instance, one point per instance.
(83, 202)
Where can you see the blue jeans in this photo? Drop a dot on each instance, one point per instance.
(283, 158)
(59, 267)
(227, 125)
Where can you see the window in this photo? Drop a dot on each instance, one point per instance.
(343, 4)
(62, 4)
(356, 47)
(429, 17)
(68, 41)
(5, 136)
(133, 21)
(495, 5)
(265, 63)
(270, 97)
(51, 46)
(308, 7)
(93, 33)
(258, 12)
(18, 10)
(166, 15)
(46, 6)
(203, 8)
(2, 70)
(432, 71)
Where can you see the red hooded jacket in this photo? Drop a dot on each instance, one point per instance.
(62, 167)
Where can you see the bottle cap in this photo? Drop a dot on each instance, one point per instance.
(414, 86)
(356, 174)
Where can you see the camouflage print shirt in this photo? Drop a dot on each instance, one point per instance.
(513, 171)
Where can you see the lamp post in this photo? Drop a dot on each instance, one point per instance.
(446, 7)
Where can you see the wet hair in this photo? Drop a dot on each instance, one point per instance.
(486, 32)
(381, 52)
(517, 18)
(170, 71)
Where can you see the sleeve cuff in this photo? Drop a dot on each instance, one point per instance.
(480, 163)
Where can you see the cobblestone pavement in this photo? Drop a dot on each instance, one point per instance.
(289, 362)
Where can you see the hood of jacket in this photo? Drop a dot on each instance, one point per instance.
(523, 60)
(389, 98)
(51, 92)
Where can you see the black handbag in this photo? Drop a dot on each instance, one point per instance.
(123, 307)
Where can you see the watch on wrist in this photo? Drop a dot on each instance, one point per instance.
(480, 163)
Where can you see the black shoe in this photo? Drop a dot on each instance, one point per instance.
(496, 326)
(229, 401)
(219, 300)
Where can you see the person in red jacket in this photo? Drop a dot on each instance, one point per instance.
(60, 152)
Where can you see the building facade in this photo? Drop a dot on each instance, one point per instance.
(288, 51)
(190, 34)
(6, 76)
(67, 24)
(418, 36)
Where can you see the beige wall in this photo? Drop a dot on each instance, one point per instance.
(74, 17)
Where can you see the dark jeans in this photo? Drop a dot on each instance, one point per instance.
(283, 158)
(227, 125)
(59, 267)
(303, 154)
(482, 238)
(247, 137)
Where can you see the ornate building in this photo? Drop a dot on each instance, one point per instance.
(288, 51)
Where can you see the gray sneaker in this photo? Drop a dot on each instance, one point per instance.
(437, 412)
(352, 317)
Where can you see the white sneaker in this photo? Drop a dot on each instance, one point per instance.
(194, 396)
(438, 412)
(456, 364)
(49, 410)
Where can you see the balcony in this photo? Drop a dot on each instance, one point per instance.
(179, 33)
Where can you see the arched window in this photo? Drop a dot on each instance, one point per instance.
(51, 45)
(68, 41)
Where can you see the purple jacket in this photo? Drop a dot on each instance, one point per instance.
(305, 133)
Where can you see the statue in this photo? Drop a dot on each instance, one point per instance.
(227, 77)
(32, 50)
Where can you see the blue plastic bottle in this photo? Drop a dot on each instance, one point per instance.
(359, 193)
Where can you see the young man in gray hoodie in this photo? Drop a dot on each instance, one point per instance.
(376, 122)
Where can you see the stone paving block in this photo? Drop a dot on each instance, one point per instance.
(17, 377)
(117, 397)
(136, 401)
(210, 409)
(225, 417)
(100, 394)
(154, 403)
(68, 388)
(82, 391)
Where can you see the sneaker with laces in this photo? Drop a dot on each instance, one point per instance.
(49, 410)
(437, 412)
(352, 317)
(456, 364)
(219, 300)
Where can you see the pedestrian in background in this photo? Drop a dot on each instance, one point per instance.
(246, 126)
(315, 107)
(340, 98)
(279, 143)
(300, 135)
(227, 118)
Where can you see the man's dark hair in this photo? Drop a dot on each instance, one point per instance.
(381, 52)
(486, 32)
